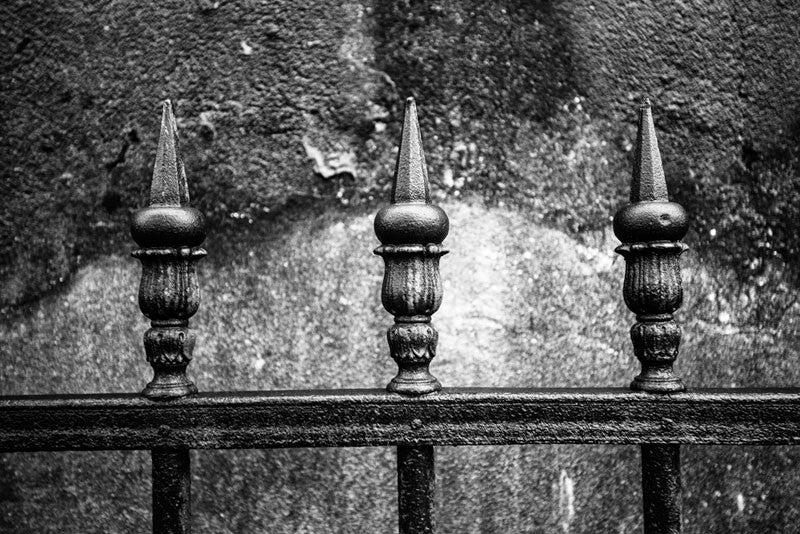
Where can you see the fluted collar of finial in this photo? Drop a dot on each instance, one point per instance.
(650, 216)
(168, 222)
(411, 218)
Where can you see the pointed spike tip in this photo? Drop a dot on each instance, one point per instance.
(648, 183)
(411, 174)
(169, 186)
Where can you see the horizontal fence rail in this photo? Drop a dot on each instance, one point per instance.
(374, 417)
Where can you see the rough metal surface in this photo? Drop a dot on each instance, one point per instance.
(172, 491)
(650, 229)
(411, 231)
(661, 489)
(169, 232)
(416, 480)
(370, 417)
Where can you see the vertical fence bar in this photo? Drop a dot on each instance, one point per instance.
(650, 228)
(171, 491)
(411, 231)
(415, 485)
(169, 233)
(661, 489)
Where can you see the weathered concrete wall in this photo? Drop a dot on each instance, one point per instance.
(289, 114)
(527, 102)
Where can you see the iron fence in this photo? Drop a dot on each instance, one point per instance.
(415, 414)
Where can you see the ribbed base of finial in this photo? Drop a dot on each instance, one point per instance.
(413, 346)
(658, 384)
(414, 386)
(169, 386)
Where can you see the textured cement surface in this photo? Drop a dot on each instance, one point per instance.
(524, 102)
(295, 304)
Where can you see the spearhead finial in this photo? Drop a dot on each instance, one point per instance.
(168, 221)
(169, 233)
(169, 177)
(648, 174)
(411, 231)
(650, 216)
(411, 218)
(411, 174)
(650, 228)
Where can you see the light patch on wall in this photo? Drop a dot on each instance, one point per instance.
(331, 164)
(566, 500)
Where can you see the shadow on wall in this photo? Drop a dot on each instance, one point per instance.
(759, 235)
(472, 61)
(489, 79)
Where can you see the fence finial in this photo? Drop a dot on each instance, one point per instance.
(169, 178)
(648, 175)
(411, 174)
(169, 233)
(650, 228)
(411, 231)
